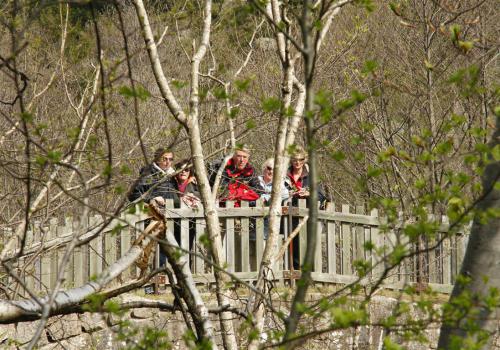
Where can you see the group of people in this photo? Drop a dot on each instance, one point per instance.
(239, 180)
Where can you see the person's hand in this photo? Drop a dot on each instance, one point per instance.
(303, 192)
(191, 200)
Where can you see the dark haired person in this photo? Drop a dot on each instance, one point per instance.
(153, 178)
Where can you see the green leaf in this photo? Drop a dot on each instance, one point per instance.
(466, 46)
(369, 67)
(243, 85)
(178, 84)
(271, 104)
(251, 124)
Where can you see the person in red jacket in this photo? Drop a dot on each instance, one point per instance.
(239, 181)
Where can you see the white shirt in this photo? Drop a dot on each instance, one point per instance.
(266, 196)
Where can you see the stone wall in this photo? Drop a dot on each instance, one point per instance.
(94, 331)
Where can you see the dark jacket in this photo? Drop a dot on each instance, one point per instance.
(172, 191)
(233, 179)
(150, 184)
(303, 182)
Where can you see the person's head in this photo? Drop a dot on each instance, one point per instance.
(184, 170)
(299, 158)
(241, 156)
(164, 158)
(267, 169)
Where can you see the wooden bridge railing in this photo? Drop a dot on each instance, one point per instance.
(342, 238)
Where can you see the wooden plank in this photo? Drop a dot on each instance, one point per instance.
(46, 261)
(70, 267)
(200, 249)
(376, 258)
(53, 233)
(126, 243)
(245, 241)
(110, 244)
(318, 254)
(95, 251)
(184, 243)
(330, 242)
(259, 241)
(139, 228)
(359, 237)
(302, 235)
(229, 241)
(264, 211)
(447, 249)
(346, 239)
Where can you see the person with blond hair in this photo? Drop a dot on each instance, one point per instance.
(239, 180)
(266, 182)
(297, 179)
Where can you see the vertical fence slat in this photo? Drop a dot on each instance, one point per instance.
(229, 240)
(95, 251)
(330, 242)
(110, 243)
(318, 256)
(70, 267)
(53, 234)
(46, 261)
(359, 239)
(376, 239)
(126, 241)
(447, 249)
(80, 269)
(346, 244)
(200, 230)
(184, 229)
(259, 240)
(245, 241)
(302, 234)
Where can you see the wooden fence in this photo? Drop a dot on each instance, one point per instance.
(342, 239)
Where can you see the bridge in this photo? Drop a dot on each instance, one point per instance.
(342, 236)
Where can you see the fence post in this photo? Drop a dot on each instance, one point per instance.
(30, 272)
(359, 238)
(376, 258)
(245, 240)
(53, 234)
(95, 251)
(331, 245)
(200, 230)
(110, 244)
(67, 230)
(346, 239)
(446, 253)
(184, 234)
(259, 237)
(229, 239)
(318, 256)
(302, 234)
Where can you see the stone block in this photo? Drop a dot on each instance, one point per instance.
(91, 322)
(26, 330)
(143, 313)
(63, 327)
(80, 342)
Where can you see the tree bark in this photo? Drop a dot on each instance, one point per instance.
(482, 260)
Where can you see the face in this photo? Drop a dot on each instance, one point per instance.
(268, 172)
(183, 175)
(298, 162)
(166, 160)
(240, 159)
